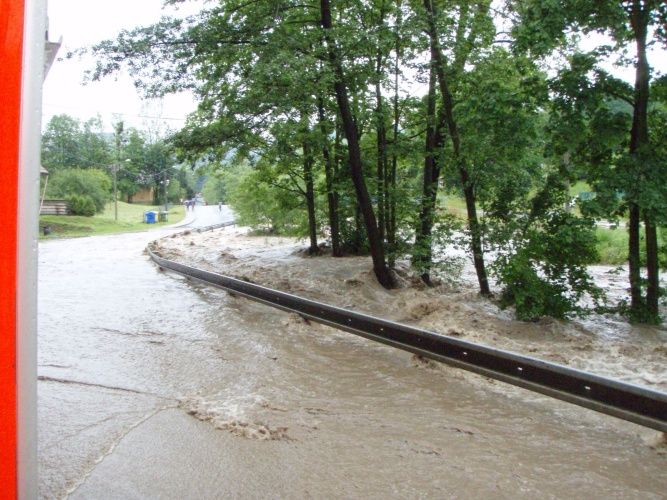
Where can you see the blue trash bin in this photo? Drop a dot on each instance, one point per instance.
(150, 217)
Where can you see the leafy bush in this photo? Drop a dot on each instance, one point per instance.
(445, 236)
(92, 183)
(175, 193)
(81, 205)
(214, 190)
(544, 273)
(263, 206)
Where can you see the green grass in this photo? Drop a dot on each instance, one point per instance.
(612, 245)
(453, 204)
(579, 187)
(130, 219)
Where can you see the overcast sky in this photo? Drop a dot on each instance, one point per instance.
(84, 22)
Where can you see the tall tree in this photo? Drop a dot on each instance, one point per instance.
(629, 23)
(66, 143)
(444, 81)
(423, 255)
(330, 172)
(354, 152)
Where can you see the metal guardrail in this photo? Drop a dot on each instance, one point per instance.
(214, 226)
(619, 399)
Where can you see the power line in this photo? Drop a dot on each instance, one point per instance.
(113, 112)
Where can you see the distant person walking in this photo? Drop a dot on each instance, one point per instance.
(219, 206)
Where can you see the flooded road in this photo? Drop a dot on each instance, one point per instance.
(155, 387)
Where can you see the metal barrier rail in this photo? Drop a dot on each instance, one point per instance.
(619, 399)
(213, 226)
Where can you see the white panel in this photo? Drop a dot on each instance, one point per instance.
(28, 227)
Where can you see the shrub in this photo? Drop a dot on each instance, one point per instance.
(91, 183)
(81, 205)
(215, 190)
(545, 272)
(262, 206)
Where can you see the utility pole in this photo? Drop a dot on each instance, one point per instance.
(166, 184)
(115, 168)
(119, 127)
(115, 192)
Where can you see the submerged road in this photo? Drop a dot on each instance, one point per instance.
(155, 387)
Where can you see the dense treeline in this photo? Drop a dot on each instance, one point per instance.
(353, 119)
(80, 158)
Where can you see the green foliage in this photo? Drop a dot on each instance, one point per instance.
(81, 205)
(127, 188)
(542, 255)
(260, 205)
(215, 190)
(92, 184)
(175, 192)
(67, 143)
(142, 160)
(145, 162)
(603, 129)
(545, 272)
(445, 237)
(612, 246)
(264, 79)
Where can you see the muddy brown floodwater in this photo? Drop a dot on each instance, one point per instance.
(155, 387)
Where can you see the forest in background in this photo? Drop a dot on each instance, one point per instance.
(81, 157)
(353, 120)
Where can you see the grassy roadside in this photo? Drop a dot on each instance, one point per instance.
(130, 219)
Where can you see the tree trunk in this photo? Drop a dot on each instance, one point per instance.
(468, 188)
(390, 186)
(639, 140)
(381, 158)
(357, 242)
(310, 193)
(636, 302)
(356, 171)
(423, 257)
(652, 268)
(381, 139)
(332, 195)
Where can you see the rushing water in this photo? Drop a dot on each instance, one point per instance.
(155, 387)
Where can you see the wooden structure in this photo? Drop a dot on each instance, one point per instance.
(55, 207)
(144, 195)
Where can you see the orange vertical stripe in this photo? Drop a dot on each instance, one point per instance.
(11, 51)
